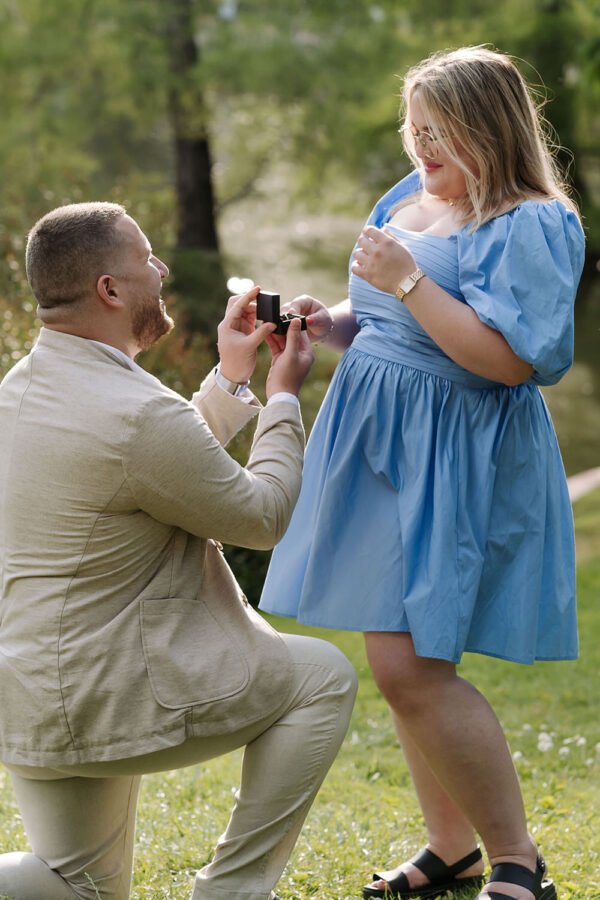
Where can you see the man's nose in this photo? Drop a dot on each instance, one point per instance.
(163, 268)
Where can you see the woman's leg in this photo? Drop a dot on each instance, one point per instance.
(450, 834)
(462, 743)
(81, 831)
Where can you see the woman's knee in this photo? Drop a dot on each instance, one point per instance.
(407, 681)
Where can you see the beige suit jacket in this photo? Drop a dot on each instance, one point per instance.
(122, 628)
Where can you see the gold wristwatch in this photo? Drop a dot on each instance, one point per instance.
(408, 283)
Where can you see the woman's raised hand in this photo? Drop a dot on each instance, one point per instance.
(382, 259)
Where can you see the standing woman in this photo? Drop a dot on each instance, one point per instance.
(434, 513)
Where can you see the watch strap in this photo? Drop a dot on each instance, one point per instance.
(408, 283)
(232, 387)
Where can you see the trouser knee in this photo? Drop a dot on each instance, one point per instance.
(336, 673)
(24, 876)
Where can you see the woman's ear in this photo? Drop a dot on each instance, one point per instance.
(107, 290)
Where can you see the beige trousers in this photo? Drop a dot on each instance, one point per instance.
(80, 820)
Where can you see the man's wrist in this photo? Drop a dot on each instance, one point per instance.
(232, 387)
(283, 397)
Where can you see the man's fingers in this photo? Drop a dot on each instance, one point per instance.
(292, 342)
(239, 302)
(260, 333)
(275, 343)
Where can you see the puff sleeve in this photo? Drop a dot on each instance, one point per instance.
(519, 273)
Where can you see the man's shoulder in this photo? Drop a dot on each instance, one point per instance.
(99, 370)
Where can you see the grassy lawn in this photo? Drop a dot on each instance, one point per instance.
(366, 815)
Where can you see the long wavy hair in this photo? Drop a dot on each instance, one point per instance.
(476, 101)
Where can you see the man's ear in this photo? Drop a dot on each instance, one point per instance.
(108, 291)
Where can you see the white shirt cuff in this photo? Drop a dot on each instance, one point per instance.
(283, 397)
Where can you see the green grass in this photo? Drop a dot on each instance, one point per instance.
(366, 815)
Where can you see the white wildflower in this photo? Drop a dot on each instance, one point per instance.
(545, 742)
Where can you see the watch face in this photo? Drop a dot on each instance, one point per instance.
(408, 283)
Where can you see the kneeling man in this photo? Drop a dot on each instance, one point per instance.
(126, 645)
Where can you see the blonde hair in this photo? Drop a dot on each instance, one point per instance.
(475, 101)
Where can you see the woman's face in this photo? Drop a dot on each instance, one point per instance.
(442, 177)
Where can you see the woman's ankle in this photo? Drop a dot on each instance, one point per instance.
(523, 853)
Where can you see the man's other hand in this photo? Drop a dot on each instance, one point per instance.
(292, 357)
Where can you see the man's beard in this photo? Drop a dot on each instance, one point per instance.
(149, 321)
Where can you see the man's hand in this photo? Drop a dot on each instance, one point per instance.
(318, 318)
(238, 338)
(292, 358)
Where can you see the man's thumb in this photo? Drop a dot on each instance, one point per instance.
(292, 338)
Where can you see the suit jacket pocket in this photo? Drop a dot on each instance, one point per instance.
(191, 660)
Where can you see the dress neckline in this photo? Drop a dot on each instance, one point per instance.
(424, 234)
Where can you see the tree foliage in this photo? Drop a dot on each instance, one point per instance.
(180, 108)
(177, 108)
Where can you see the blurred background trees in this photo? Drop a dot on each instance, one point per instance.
(180, 107)
(251, 137)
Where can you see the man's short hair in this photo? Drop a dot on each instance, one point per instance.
(69, 248)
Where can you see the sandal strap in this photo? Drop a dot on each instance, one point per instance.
(435, 869)
(397, 882)
(513, 873)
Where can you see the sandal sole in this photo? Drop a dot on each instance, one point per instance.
(548, 893)
(429, 891)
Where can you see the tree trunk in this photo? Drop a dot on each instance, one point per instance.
(198, 276)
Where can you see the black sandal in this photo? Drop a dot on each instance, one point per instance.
(441, 878)
(512, 873)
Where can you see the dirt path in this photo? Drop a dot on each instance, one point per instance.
(583, 483)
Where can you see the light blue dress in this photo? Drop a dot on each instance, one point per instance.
(435, 501)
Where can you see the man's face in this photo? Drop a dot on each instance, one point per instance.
(141, 276)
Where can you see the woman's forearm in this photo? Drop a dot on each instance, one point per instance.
(384, 261)
(457, 329)
(345, 327)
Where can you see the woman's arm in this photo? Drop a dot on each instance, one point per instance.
(383, 261)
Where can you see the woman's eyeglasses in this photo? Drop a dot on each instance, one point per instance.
(425, 139)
